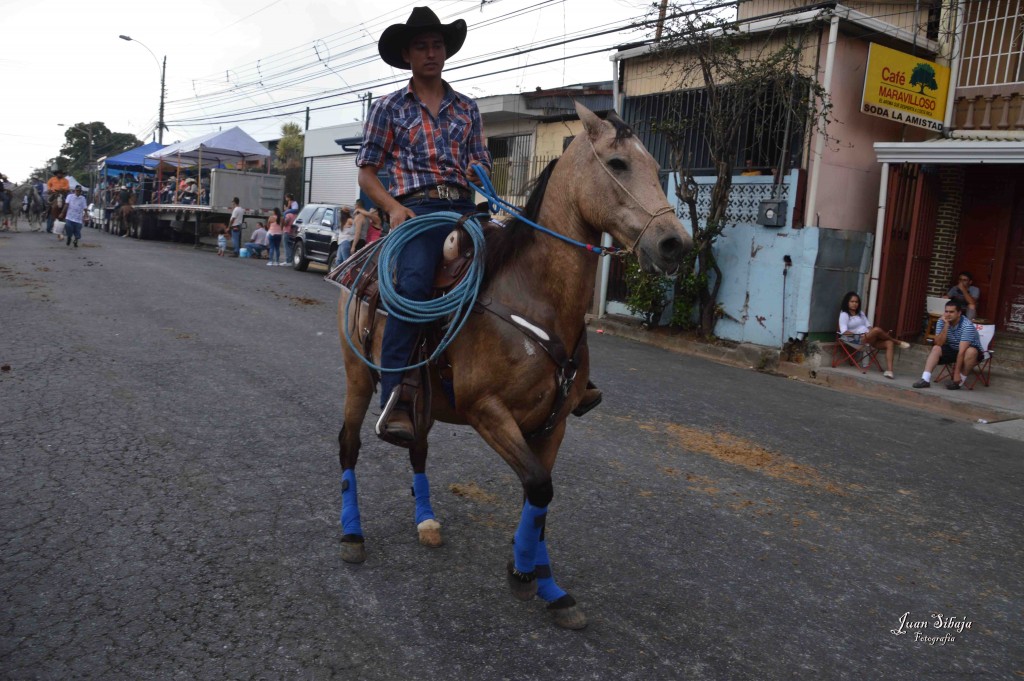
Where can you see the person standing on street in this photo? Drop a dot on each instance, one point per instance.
(73, 215)
(288, 235)
(235, 224)
(426, 136)
(275, 231)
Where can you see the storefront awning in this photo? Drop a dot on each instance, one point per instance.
(959, 151)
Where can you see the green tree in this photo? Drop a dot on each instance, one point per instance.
(751, 84)
(75, 154)
(923, 75)
(288, 159)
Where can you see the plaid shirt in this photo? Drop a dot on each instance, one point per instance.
(418, 150)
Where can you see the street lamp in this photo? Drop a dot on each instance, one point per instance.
(163, 75)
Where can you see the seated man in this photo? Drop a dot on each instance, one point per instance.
(967, 294)
(260, 242)
(956, 343)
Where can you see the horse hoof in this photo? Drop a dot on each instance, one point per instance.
(524, 586)
(430, 533)
(353, 551)
(567, 613)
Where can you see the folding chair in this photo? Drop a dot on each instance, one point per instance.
(861, 356)
(983, 369)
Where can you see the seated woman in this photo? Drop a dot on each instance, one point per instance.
(854, 328)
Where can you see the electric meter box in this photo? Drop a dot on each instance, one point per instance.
(772, 213)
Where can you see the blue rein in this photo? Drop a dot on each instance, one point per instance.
(497, 204)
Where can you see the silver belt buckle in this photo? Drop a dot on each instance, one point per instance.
(446, 192)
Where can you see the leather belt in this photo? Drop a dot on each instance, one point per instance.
(446, 192)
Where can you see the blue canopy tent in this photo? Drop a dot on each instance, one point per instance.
(134, 160)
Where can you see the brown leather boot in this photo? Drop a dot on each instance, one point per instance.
(398, 425)
(395, 424)
(591, 398)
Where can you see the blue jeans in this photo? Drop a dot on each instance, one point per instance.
(275, 248)
(72, 230)
(289, 247)
(256, 250)
(236, 238)
(415, 276)
(344, 252)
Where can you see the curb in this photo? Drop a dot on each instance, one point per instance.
(767, 360)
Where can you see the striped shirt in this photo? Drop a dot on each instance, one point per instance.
(962, 332)
(419, 150)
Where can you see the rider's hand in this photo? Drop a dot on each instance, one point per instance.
(471, 176)
(399, 214)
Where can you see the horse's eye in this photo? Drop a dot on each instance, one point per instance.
(618, 164)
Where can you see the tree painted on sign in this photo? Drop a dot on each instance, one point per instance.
(923, 75)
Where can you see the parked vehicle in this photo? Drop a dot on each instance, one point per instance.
(316, 234)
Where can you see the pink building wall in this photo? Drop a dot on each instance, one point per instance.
(850, 173)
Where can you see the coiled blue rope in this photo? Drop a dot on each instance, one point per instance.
(456, 304)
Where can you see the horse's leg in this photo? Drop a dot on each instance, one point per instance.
(561, 605)
(530, 568)
(427, 527)
(358, 392)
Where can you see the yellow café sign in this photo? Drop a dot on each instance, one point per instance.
(905, 89)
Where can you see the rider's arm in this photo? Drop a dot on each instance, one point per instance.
(371, 184)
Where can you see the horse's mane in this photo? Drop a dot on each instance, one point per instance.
(506, 244)
(622, 129)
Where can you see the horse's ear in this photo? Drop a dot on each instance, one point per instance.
(591, 123)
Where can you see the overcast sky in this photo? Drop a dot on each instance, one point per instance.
(62, 61)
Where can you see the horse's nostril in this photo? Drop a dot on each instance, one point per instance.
(671, 248)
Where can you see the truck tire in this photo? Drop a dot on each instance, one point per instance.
(299, 260)
(331, 257)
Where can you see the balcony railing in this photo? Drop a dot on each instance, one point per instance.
(989, 107)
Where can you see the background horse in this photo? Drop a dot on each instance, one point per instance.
(123, 217)
(606, 181)
(36, 210)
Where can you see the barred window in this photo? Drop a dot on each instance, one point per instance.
(760, 143)
(992, 43)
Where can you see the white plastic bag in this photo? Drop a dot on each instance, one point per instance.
(58, 227)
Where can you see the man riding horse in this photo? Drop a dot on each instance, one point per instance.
(58, 188)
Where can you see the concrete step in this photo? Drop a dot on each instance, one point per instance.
(1009, 349)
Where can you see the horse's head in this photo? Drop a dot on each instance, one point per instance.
(620, 193)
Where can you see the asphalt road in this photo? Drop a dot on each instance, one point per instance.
(170, 499)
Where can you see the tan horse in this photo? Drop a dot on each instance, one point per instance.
(505, 385)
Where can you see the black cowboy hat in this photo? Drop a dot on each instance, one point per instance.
(396, 37)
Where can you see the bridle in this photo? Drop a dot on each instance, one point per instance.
(496, 204)
(651, 216)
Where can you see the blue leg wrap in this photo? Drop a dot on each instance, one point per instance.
(531, 524)
(349, 504)
(421, 490)
(546, 587)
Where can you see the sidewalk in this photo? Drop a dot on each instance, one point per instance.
(997, 408)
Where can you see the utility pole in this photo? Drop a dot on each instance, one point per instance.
(163, 76)
(661, 19)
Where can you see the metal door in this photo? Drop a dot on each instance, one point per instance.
(911, 212)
